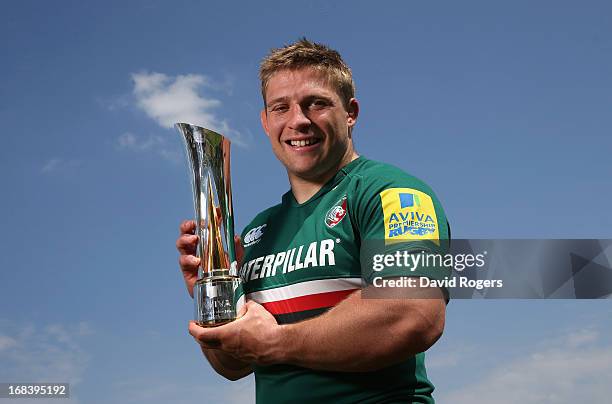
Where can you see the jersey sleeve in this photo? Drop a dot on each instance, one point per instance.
(399, 216)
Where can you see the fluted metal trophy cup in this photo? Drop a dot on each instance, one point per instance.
(216, 287)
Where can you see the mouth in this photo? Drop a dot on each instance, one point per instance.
(303, 143)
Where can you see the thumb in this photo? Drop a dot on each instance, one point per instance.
(242, 310)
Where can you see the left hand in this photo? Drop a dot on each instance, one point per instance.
(255, 337)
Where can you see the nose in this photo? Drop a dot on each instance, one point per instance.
(298, 121)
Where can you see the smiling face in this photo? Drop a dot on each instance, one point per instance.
(308, 125)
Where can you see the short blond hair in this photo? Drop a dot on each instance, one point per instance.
(304, 53)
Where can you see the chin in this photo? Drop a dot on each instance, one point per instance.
(314, 174)
(304, 173)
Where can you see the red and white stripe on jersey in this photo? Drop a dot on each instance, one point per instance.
(305, 295)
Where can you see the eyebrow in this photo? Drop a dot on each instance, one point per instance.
(308, 97)
(274, 101)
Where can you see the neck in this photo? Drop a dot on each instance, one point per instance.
(305, 188)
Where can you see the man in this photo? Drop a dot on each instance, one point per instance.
(305, 329)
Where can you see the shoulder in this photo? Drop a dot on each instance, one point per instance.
(381, 190)
(374, 177)
(390, 204)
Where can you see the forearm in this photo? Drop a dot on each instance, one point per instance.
(226, 365)
(365, 334)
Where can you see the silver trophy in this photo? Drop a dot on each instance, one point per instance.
(216, 287)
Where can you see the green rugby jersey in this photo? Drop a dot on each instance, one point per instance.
(302, 259)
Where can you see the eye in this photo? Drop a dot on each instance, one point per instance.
(318, 103)
(279, 108)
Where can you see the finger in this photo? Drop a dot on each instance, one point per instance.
(253, 308)
(247, 309)
(207, 337)
(186, 244)
(242, 311)
(187, 227)
(239, 250)
(252, 305)
(219, 215)
(189, 263)
(190, 276)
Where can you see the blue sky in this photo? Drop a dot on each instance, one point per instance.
(503, 109)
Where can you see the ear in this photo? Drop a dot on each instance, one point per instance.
(264, 121)
(352, 112)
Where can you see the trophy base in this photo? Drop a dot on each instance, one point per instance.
(215, 300)
(213, 323)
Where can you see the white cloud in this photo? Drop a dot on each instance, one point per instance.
(117, 102)
(57, 164)
(153, 143)
(44, 354)
(582, 337)
(241, 391)
(168, 100)
(130, 141)
(161, 391)
(51, 165)
(6, 342)
(84, 328)
(575, 370)
(446, 359)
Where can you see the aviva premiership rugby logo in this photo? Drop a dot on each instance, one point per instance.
(414, 223)
(336, 213)
(409, 215)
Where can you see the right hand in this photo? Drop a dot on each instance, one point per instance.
(186, 245)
